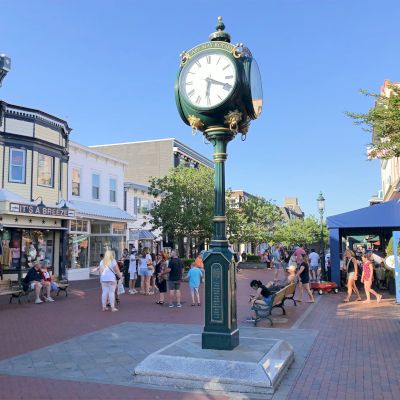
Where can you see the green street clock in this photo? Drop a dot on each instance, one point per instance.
(218, 92)
(219, 84)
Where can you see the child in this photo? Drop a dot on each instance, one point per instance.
(194, 276)
(132, 272)
(46, 282)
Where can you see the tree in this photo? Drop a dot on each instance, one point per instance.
(254, 222)
(298, 231)
(383, 121)
(185, 204)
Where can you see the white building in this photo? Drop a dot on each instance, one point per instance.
(96, 192)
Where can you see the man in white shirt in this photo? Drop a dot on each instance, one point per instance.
(314, 263)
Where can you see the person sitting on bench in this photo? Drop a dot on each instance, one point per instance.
(263, 295)
(33, 280)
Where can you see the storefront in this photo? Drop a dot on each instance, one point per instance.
(94, 230)
(31, 232)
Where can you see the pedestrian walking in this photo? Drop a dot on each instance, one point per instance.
(304, 276)
(366, 277)
(194, 276)
(175, 271)
(276, 259)
(125, 261)
(161, 276)
(132, 272)
(351, 266)
(110, 273)
(314, 264)
(299, 253)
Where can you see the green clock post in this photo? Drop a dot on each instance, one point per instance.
(218, 92)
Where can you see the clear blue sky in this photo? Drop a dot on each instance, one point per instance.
(108, 67)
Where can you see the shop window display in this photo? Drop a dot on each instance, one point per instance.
(20, 247)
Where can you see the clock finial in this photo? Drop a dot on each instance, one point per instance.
(220, 35)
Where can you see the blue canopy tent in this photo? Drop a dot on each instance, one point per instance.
(380, 220)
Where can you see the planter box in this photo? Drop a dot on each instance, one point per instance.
(78, 274)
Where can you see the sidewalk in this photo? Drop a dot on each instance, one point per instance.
(338, 365)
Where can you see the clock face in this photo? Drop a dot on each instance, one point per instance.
(208, 79)
(256, 88)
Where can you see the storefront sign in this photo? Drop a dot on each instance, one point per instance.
(39, 210)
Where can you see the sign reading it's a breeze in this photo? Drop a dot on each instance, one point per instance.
(42, 211)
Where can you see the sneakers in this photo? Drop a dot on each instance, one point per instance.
(171, 306)
(49, 299)
(179, 305)
(38, 301)
(132, 291)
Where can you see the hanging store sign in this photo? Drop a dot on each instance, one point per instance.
(40, 210)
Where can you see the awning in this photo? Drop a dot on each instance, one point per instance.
(382, 215)
(140, 234)
(99, 211)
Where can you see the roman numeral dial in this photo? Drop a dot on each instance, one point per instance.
(208, 79)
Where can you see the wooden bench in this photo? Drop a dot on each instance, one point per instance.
(289, 293)
(8, 289)
(263, 311)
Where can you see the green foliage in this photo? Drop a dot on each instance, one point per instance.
(187, 262)
(389, 248)
(255, 221)
(384, 121)
(253, 258)
(185, 206)
(297, 231)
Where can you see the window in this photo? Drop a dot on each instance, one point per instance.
(96, 186)
(76, 182)
(79, 226)
(45, 170)
(17, 166)
(113, 190)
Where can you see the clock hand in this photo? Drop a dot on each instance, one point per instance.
(208, 88)
(225, 85)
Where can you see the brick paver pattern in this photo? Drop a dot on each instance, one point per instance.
(354, 356)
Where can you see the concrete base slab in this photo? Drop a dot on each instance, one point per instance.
(256, 366)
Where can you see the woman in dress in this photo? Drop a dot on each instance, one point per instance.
(109, 272)
(351, 265)
(366, 277)
(304, 275)
(161, 279)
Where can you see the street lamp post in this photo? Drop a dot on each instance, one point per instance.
(5, 66)
(321, 209)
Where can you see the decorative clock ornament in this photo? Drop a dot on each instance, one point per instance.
(217, 79)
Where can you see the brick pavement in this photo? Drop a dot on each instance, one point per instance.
(356, 353)
(354, 356)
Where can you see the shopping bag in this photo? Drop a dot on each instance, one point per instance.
(121, 289)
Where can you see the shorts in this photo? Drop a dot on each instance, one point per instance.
(132, 275)
(350, 275)
(194, 290)
(174, 285)
(34, 283)
(277, 265)
(304, 281)
(267, 300)
(314, 267)
(145, 272)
